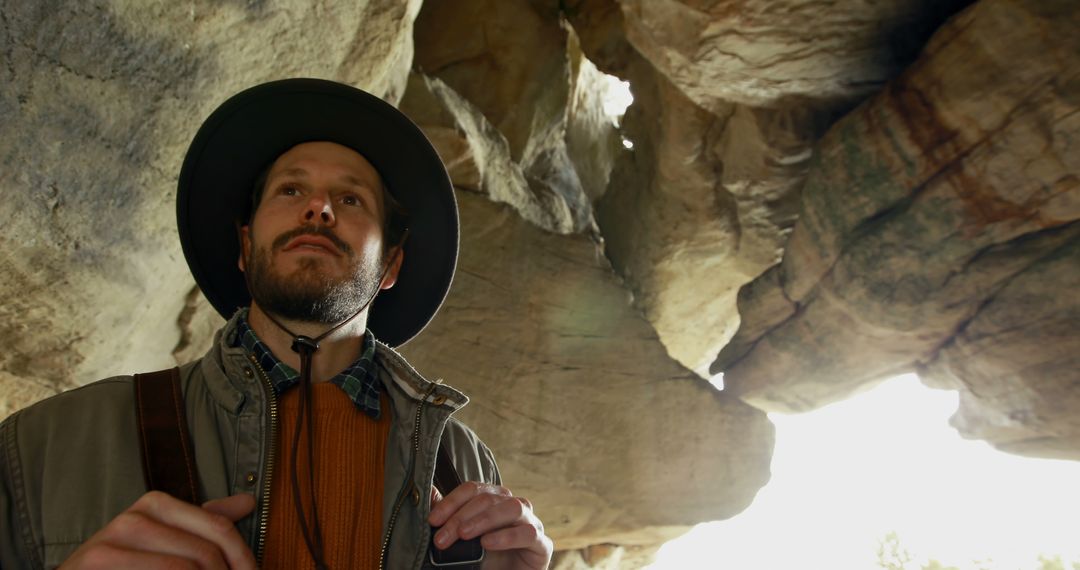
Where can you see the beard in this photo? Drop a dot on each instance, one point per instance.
(310, 293)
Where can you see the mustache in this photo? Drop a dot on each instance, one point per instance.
(323, 231)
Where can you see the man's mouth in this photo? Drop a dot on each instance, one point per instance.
(314, 243)
(311, 238)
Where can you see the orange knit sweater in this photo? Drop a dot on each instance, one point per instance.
(349, 451)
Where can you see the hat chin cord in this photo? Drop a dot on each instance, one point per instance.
(306, 347)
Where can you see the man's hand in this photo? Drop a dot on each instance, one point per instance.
(508, 529)
(159, 531)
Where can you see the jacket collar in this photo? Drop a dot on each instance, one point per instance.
(413, 384)
(227, 363)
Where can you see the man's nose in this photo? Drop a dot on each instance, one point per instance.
(318, 210)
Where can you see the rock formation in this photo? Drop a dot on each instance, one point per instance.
(760, 52)
(513, 73)
(726, 112)
(929, 223)
(590, 418)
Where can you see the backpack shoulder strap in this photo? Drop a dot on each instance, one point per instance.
(446, 477)
(167, 458)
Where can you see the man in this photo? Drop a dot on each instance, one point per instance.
(313, 442)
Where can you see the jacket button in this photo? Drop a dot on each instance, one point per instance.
(248, 372)
(250, 478)
(438, 401)
(415, 495)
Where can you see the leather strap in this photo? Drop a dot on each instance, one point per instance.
(167, 458)
(446, 477)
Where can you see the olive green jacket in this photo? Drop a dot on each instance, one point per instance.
(71, 463)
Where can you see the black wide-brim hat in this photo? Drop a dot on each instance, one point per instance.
(250, 130)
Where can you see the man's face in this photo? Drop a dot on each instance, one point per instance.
(314, 248)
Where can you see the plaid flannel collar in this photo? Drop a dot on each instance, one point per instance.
(358, 380)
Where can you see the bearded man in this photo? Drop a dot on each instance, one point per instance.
(321, 223)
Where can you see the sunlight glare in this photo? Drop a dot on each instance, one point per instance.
(617, 98)
(887, 460)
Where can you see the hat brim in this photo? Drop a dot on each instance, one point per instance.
(247, 132)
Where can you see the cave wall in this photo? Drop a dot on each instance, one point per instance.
(937, 232)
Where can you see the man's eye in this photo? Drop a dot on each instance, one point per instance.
(350, 200)
(288, 190)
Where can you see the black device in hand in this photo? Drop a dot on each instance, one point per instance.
(459, 554)
(463, 554)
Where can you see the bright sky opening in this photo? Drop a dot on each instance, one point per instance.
(617, 97)
(887, 461)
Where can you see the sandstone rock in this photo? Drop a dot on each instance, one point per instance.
(99, 102)
(507, 57)
(479, 154)
(573, 391)
(925, 207)
(604, 557)
(705, 200)
(1015, 364)
(600, 28)
(592, 141)
(701, 206)
(759, 52)
(724, 137)
(507, 80)
(467, 143)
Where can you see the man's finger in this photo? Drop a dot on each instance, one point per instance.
(482, 514)
(116, 558)
(203, 523)
(136, 532)
(234, 507)
(525, 536)
(457, 498)
(485, 514)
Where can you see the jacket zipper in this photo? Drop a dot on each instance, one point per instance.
(264, 512)
(408, 478)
